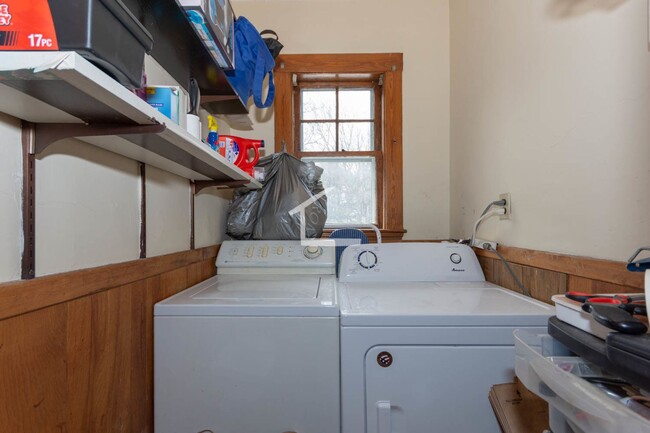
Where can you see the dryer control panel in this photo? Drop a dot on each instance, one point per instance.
(410, 262)
(285, 257)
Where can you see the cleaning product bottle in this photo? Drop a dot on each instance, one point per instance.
(243, 152)
(213, 135)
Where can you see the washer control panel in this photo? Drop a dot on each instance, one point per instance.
(410, 261)
(286, 256)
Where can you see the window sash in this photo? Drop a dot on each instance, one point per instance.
(377, 153)
(307, 85)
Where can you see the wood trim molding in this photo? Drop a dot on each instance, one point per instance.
(393, 216)
(20, 297)
(386, 235)
(595, 269)
(390, 65)
(335, 63)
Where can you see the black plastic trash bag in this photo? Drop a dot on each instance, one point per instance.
(289, 185)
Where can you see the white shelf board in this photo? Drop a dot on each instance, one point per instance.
(63, 87)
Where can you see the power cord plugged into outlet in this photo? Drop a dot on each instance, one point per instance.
(483, 244)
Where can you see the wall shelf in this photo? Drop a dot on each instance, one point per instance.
(64, 88)
(179, 50)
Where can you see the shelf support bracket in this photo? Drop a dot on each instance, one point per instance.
(28, 259)
(49, 133)
(202, 184)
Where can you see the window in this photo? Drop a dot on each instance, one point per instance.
(337, 110)
(336, 128)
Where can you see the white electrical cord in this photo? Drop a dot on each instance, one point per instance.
(500, 211)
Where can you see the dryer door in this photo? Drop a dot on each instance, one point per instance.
(417, 389)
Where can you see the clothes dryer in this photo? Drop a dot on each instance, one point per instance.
(424, 337)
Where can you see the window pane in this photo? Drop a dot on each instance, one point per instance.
(318, 137)
(353, 197)
(357, 136)
(318, 104)
(356, 104)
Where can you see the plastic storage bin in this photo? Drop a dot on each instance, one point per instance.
(576, 405)
(103, 31)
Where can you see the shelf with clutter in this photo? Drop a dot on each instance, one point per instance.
(64, 95)
(180, 48)
(85, 77)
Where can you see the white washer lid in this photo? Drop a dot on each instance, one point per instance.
(250, 288)
(438, 304)
(255, 295)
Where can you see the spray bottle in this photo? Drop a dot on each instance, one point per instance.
(213, 135)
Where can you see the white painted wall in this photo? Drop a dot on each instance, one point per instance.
(88, 205)
(10, 198)
(417, 28)
(87, 208)
(168, 227)
(550, 102)
(210, 216)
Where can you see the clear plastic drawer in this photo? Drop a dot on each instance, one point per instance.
(544, 366)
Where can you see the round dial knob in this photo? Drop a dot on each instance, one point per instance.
(367, 259)
(455, 258)
(312, 251)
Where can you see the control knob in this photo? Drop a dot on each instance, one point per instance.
(455, 258)
(367, 259)
(312, 251)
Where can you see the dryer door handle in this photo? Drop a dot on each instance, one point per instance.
(384, 424)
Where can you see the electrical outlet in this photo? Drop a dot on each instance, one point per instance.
(483, 244)
(506, 196)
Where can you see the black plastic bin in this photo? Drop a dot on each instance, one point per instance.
(106, 33)
(103, 31)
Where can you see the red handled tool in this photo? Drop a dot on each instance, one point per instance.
(583, 297)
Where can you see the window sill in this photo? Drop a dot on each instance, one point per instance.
(387, 235)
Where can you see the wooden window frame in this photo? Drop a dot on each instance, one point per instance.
(389, 167)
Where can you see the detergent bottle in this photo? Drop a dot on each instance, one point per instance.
(243, 152)
(213, 135)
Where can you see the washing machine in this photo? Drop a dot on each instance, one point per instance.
(424, 337)
(253, 349)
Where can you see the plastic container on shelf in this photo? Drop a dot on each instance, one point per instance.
(103, 31)
(243, 152)
(584, 406)
(570, 311)
(213, 135)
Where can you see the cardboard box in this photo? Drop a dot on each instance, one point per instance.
(517, 409)
(165, 99)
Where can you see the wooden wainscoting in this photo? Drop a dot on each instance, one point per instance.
(76, 349)
(547, 274)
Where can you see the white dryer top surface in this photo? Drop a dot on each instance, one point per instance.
(255, 295)
(438, 304)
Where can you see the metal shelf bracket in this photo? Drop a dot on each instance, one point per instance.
(199, 185)
(46, 134)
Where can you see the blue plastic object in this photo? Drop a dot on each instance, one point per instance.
(253, 63)
(344, 238)
(640, 265)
